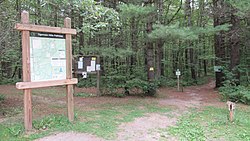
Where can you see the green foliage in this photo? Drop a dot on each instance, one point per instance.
(236, 93)
(50, 122)
(11, 133)
(188, 130)
(96, 17)
(135, 11)
(2, 97)
(16, 130)
(89, 82)
(9, 81)
(83, 95)
(231, 89)
(185, 33)
(120, 95)
(212, 123)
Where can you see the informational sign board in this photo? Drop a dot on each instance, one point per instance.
(47, 56)
(46, 62)
(87, 64)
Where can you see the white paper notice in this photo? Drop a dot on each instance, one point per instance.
(98, 67)
(88, 68)
(92, 65)
(81, 59)
(80, 65)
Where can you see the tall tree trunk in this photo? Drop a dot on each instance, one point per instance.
(235, 45)
(219, 42)
(188, 15)
(150, 47)
(133, 43)
(159, 44)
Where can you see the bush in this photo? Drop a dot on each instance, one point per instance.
(89, 82)
(236, 93)
(148, 88)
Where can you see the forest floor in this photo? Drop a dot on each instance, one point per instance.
(147, 127)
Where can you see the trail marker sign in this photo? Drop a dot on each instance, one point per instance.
(46, 61)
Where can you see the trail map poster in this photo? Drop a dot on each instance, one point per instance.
(47, 56)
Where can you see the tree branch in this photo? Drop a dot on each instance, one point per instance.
(175, 13)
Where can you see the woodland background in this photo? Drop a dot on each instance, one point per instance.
(132, 36)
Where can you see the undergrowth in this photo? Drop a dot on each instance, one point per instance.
(212, 124)
(102, 122)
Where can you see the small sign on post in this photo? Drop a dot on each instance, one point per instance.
(178, 73)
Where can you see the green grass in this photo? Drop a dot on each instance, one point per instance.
(2, 97)
(212, 123)
(83, 95)
(102, 122)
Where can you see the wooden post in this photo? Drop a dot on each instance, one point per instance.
(178, 83)
(98, 78)
(26, 72)
(69, 88)
(231, 108)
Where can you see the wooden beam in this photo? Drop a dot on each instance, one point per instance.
(98, 78)
(26, 73)
(31, 85)
(41, 28)
(69, 88)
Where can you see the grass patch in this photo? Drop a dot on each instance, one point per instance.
(83, 95)
(212, 124)
(102, 122)
(2, 97)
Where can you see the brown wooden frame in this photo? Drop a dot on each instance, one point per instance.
(27, 85)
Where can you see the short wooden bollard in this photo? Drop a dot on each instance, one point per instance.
(231, 108)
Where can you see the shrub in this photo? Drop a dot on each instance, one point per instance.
(148, 88)
(236, 93)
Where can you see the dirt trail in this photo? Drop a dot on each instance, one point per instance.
(147, 128)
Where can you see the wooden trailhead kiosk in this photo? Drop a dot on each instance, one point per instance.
(46, 61)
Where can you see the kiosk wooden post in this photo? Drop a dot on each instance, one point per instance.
(27, 83)
(69, 88)
(98, 78)
(26, 72)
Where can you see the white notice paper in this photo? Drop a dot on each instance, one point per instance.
(92, 65)
(88, 68)
(98, 67)
(81, 59)
(80, 65)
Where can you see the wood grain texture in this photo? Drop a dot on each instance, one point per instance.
(31, 85)
(26, 72)
(41, 28)
(69, 88)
